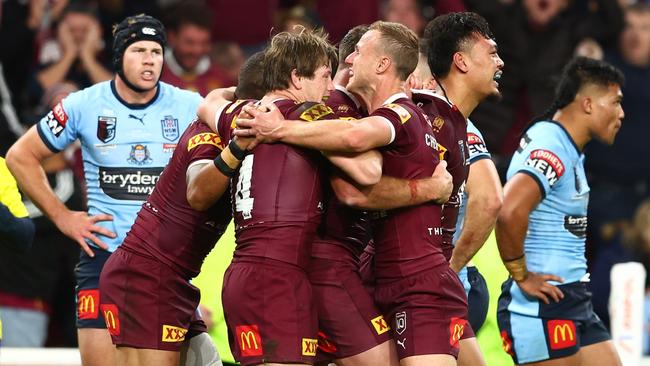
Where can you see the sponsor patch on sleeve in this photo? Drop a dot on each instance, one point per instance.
(476, 144)
(316, 112)
(547, 163)
(403, 114)
(203, 139)
(57, 119)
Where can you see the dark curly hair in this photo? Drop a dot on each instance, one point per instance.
(450, 33)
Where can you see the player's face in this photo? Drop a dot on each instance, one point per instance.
(190, 45)
(362, 60)
(318, 86)
(608, 113)
(143, 62)
(485, 67)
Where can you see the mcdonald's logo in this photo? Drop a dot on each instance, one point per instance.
(456, 329)
(111, 317)
(561, 334)
(88, 304)
(309, 346)
(507, 343)
(380, 325)
(250, 342)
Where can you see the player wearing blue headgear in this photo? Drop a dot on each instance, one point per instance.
(545, 313)
(128, 128)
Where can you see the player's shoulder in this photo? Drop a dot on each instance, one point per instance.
(309, 111)
(168, 90)
(548, 135)
(400, 106)
(88, 96)
(199, 133)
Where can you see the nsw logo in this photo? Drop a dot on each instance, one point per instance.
(170, 129)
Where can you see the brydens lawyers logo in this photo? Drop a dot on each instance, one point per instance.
(380, 325)
(173, 334)
(561, 334)
(88, 304)
(112, 318)
(456, 329)
(309, 346)
(249, 340)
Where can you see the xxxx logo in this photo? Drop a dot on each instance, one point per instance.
(316, 112)
(380, 325)
(173, 334)
(309, 346)
(204, 138)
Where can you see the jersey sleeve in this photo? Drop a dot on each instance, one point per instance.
(476, 144)
(395, 115)
(226, 118)
(9, 195)
(60, 126)
(542, 158)
(204, 145)
(310, 111)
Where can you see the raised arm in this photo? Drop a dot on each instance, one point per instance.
(24, 161)
(364, 168)
(485, 198)
(392, 193)
(521, 195)
(213, 103)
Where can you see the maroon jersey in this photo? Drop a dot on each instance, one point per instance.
(344, 104)
(345, 231)
(166, 227)
(277, 195)
(450, 130)
(407, 240)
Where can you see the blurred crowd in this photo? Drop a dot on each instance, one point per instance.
(50, 48)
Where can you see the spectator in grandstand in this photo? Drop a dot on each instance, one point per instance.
(187, 59)
(545, 312)
(536, 39)
(139, 121)
(618, 185)
(76, 54)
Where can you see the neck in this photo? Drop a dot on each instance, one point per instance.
(131, 96)
(283, 94)
(460, 94)
(576, 125)
(375, 95)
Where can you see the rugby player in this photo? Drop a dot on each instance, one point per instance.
(545, 313)
(414, 282)
(147, 298)
(139, 122)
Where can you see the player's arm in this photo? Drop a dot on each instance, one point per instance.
(392, 192)
(208, 180)
(328, 135)
(364, 168)
(24, 161)
(16, 232)
(485, 198)
(213, 103)
(521, 195)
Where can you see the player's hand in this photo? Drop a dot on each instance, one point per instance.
(78, 226)
(440, 184)
(536, 284)
(265, 126)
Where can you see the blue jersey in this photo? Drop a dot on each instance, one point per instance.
(125, 147)
(477, 151)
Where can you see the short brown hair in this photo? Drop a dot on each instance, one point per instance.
(304, 51)
(250, 85)
(401, 44)
(349, 41)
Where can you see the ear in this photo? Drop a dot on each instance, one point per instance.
(382, 64)
(587, 105)
(296, 81)
(459, 60)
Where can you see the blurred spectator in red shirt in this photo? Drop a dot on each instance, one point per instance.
(187, 57)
